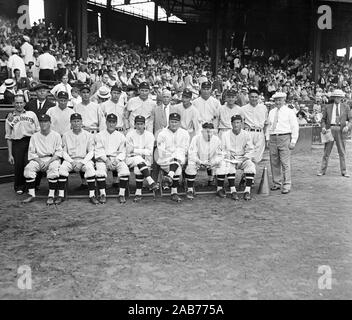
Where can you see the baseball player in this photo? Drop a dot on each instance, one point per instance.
(110, 154)
(238, 152)
(139, 154)
(60, 114)
(208, 108)
(205, 152)
(227, 111)
(255, 117)
(172, 146)
(44, 153)
(20, 125)
(141, 106)
(190, 118)
(78, 152)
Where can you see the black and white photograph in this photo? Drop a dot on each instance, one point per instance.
(193, 151)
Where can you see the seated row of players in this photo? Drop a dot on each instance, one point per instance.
(111, 150)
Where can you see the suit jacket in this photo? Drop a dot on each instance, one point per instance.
(9, 97)
(345, 116)
(33, 106)
(71, 76)
(160, 121)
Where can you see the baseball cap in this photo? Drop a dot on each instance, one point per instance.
(62, 95)
(139, 119)
(208, 125)
(144, 85)
(174, 116)
(75, 116)
(111, 117)
(187, 93)
(236, 117)
(231, 92)
(85, 88)
(116, 88)
(44, 117)
(206, 85)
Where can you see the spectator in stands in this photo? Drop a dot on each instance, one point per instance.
(27, 50)
(22, 83)
(10, 92)
(63, 86)
(47, 65)
(301, 118)
(16, 62)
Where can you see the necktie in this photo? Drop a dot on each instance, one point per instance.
(276, 119)
(337, 115)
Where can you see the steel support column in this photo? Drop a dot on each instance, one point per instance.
(216, 37)
(316, 42)
(82, 29)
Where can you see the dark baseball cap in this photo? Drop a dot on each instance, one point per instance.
(174, 116)
(144, 85)
(236, 117)
(116, 88)
(187, 93)
(62, 95)
(139, 119)
(44, 117)
(111, 117)
(231, 92)
(75, 116)
(208, 125)
(206, 85)
(85, 88)
(40, 86)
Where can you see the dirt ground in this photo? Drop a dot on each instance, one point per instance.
(269, 248)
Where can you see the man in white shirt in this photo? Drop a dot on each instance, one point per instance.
(141, 106)
(172, 144)
(44, 153)
(60, 115)
(78, 152)
(204, 153)
(282, 134)
(63, 86)
(47, 64)
(16, 62)
(110, 154)
(139, 155)
(255, 117)
(27, 50)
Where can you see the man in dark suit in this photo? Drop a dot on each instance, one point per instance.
(40, 105)
(337, 117)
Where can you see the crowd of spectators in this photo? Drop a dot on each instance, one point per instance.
(46, 54)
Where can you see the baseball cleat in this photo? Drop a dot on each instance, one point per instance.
(190, 195)
(175, 197)
(59, 200)
(167, 181)
(29, 199)
(285, 191)
(50, 201)
(137, 198)
(102, 199)
(122, 199)
(221, 193)
(247, 196)
(93, 200)
(234, 196)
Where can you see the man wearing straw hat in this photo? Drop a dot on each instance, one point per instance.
(337, 118)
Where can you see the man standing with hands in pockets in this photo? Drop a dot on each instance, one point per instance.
(282, 135)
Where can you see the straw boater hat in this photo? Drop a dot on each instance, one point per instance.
(104, 93)
(279, 95)
(338, 93)
(10, 83)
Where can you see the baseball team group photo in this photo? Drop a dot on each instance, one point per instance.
(175, 150)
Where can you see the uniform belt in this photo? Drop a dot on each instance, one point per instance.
(255, 130)
(119, 129)
(279, 134)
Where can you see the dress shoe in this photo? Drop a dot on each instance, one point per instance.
(102, 199)
(319, 174)
(175, 197)
(234, 196)
(19, 192)
(221, 193)
(247, 196)
(275, 187)
(285, 191)
(50, 201)
(190, 195)
(59, 200)
(346, 175)
(167, 182)
(93, 200)
(137, 198)
(29, 199)
(122, 199)
(154, 186)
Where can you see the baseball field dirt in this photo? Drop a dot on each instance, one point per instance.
(272, 247)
